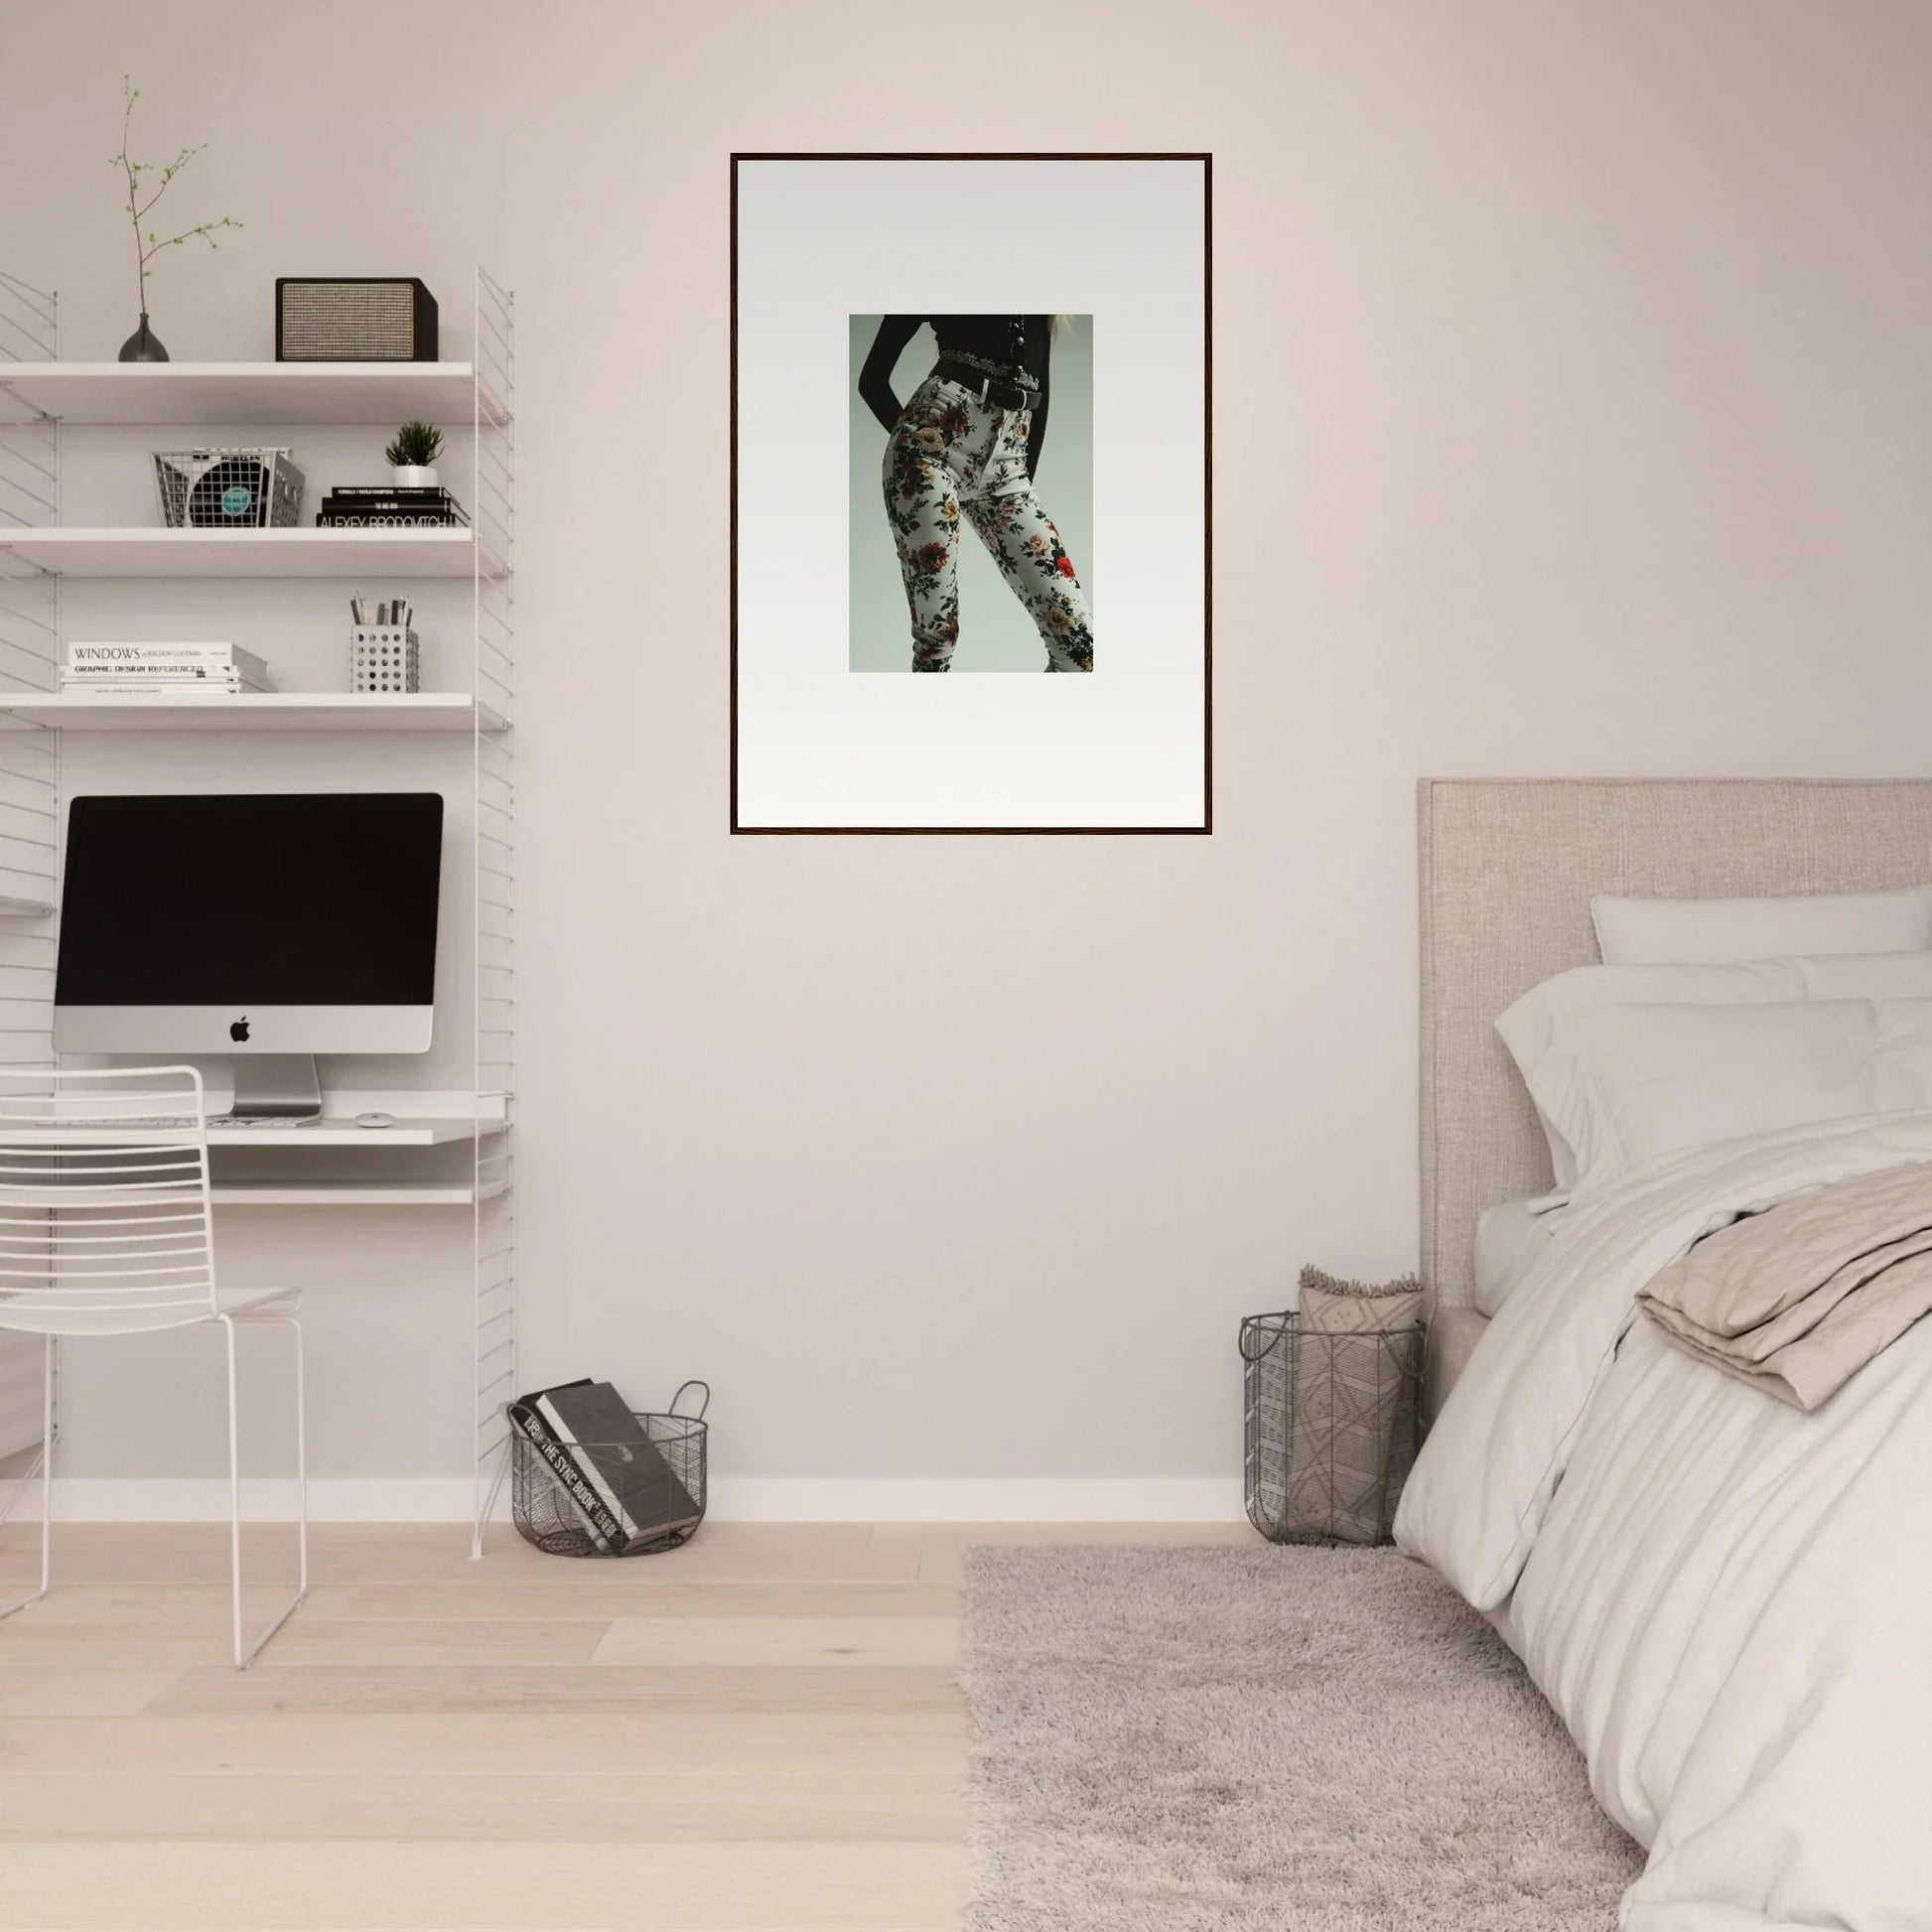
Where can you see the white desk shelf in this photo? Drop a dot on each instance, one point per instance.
(45, 562)
(434, 1132)
(382, 393)
(349, 1193)
(262, 711)
(135, 551)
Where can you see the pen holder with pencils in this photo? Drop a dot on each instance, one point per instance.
(383, 657)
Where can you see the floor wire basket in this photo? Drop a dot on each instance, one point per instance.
(548, 1514)
(1332, 1428)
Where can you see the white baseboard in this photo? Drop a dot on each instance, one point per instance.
(204, 1499)
(734, 1499)
(978, 1499)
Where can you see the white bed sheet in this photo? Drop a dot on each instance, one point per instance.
(1726, 1600)
(1510, 1240)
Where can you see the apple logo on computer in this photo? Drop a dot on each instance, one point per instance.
(239, 1031)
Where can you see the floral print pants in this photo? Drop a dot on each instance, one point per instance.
(950, 453)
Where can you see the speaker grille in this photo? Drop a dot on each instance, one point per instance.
(348, 322)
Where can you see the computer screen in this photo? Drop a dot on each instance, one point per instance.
(273, 922)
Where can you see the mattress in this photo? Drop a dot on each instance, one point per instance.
(1510, 1240)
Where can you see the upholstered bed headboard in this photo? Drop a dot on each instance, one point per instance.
(1508, 867)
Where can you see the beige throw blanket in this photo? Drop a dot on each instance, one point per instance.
(1797, 1299)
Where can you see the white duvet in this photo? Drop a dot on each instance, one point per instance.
(1729, 1602)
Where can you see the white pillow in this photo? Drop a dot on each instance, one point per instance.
(1687, 931)
(1624, 1085)
(1530, 1026)
(1510, 1240)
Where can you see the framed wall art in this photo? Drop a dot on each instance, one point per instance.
(971, 543)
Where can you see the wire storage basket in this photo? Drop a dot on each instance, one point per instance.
(1332, 1428)
(227, 489)
(554, 1508)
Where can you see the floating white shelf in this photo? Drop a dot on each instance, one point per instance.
(310, 552)
(428, 1130)
(246, 392)
(263, 711)
(346, 1194)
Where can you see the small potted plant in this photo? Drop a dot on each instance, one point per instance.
(412, 455)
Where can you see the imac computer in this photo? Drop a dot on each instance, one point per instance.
(267, 926)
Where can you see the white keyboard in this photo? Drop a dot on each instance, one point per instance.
(186, 1120)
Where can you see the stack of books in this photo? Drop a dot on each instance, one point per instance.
(118, 670)
(384, 506)
(618, 1482)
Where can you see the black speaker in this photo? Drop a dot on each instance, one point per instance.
(354, 319)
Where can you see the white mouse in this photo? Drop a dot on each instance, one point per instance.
(375, 1120)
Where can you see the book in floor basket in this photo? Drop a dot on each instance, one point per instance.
(599, 1524)
(619, 1479)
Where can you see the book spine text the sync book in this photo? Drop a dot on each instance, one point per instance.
(598, 1519)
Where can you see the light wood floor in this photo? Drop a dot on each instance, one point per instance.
(759, 1732)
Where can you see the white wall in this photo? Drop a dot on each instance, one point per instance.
(1573, 387)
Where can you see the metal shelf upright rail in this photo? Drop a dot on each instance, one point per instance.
(492, 510)
(30, 790)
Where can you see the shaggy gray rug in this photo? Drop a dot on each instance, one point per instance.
(1295, 1740)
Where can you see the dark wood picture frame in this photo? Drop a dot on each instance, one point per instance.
(1206, 826)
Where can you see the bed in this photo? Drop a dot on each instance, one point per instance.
(1727, 1601)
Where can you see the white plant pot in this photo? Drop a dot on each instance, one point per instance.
(414, 476)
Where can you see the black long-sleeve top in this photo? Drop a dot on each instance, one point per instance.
(1016, 343)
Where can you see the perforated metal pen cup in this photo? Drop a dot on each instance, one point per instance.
(384, 657)
(548, 1514)
(1331, 1428)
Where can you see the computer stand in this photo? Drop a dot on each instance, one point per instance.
(276, 1086)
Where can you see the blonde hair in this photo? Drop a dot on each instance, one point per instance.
(1055, 324)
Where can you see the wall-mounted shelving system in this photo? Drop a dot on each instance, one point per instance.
(40, 396)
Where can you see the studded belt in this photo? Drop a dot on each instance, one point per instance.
(1002, 391)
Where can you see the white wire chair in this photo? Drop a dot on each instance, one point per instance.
(106, 1228)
